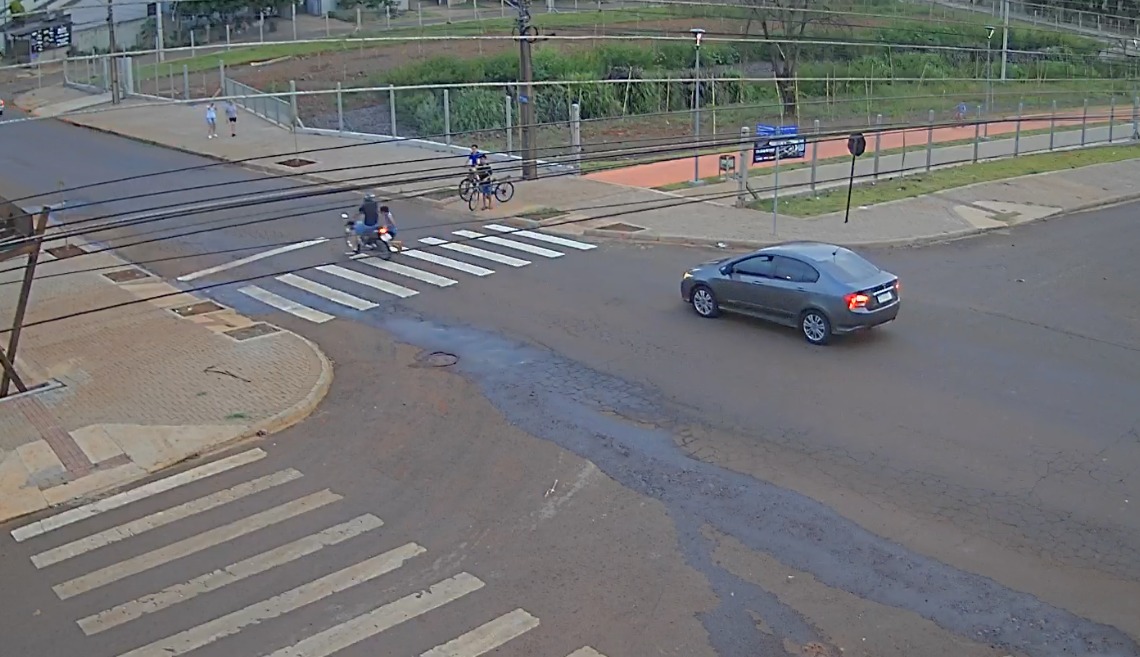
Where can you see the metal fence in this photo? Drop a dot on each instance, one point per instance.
(271, 108)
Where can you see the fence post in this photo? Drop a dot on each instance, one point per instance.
(1136, 110)
(222, 76)
(977, 133)
(1111, 116)
(1052, 125)
(510, 123)
(293, 105)
(742, 167)
(775, 189)
(227, 37)
(929, 138)
(814, 155)
(192, 45)
(1084, 121)
(576, 134)
(339, 108)
(447, 116)
(878, 142)
(391, 106)
(1017, 130)
(185, 82)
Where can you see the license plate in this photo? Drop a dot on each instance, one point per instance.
(883, 297)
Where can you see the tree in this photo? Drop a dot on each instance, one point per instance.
(786, 21)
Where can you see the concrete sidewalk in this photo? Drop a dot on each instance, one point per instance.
(135, 389)
(703, 215)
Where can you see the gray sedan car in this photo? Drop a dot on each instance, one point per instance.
(821, 289)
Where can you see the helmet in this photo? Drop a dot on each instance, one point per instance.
(369, 197)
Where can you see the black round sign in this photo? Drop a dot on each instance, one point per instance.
(856, 144)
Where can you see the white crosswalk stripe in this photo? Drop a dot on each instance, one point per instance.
(93, 509)
(369, 281)
(382, 618)
(478, 636)
(443, 261)
(161, 518)
(324, 291)
(285, 305)
(198, 543)
(510, 244)
(234, 572)
(486, 637)
(542, 237)
(585, 652)
(410, 272)
(509, 261)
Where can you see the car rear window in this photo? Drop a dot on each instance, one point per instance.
(850, 267)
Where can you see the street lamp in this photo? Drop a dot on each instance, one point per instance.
(697, 34)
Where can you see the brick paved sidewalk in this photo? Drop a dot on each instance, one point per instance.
(135, 389)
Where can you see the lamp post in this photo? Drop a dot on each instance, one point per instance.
(697, 34)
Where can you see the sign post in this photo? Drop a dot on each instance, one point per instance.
(25, 240)
(856, 145)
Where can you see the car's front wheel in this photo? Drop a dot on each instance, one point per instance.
(704, 302)
(815, 326)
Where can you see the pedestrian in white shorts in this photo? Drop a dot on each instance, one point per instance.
(211, 121)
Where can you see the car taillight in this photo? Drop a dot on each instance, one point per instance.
(856, 300)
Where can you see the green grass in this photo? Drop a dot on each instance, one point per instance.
(835, 199)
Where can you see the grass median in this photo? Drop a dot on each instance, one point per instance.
(903, 187)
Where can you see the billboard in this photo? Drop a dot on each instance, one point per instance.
(784, 139)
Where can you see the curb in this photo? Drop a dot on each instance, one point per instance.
(302, 409)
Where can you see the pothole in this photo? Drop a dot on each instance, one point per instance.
(296, 162)
(435, 359)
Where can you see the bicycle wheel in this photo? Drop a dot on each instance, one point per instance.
(473, 200)
(504, 191)
(466, 189)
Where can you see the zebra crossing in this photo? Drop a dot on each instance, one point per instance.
(334, 286)
(128, 550)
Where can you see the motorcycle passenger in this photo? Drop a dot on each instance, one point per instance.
(390, 225)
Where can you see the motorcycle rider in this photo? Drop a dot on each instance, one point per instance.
(369, 227)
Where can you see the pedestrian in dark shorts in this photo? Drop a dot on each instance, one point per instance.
(231, 115)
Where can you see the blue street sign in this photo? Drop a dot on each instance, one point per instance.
(785, 138)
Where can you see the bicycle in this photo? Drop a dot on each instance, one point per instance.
(468, 187)
(502, 190)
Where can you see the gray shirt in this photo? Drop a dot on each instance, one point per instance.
(231, 111)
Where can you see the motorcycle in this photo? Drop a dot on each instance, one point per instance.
(376, 240)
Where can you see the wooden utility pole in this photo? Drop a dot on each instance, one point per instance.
(114, 61)
(526, 33)
(27, 244)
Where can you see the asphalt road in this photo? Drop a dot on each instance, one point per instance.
(959, 482)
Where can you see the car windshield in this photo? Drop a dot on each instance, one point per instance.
(850, 267)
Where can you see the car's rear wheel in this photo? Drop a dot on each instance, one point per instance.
(815, 326)
(704, 302)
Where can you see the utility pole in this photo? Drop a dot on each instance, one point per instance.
(159, 36)
(114, 61)
(1004, 37)
(526, 92)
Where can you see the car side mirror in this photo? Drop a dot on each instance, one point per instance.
(726, 270)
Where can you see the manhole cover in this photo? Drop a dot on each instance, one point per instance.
(65, 251)
(296, 162)
(622, 228)
(253, 331)
(437, 359)
(124, 275)
(199, 308)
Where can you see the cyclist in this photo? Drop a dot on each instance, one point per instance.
(486, 178)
